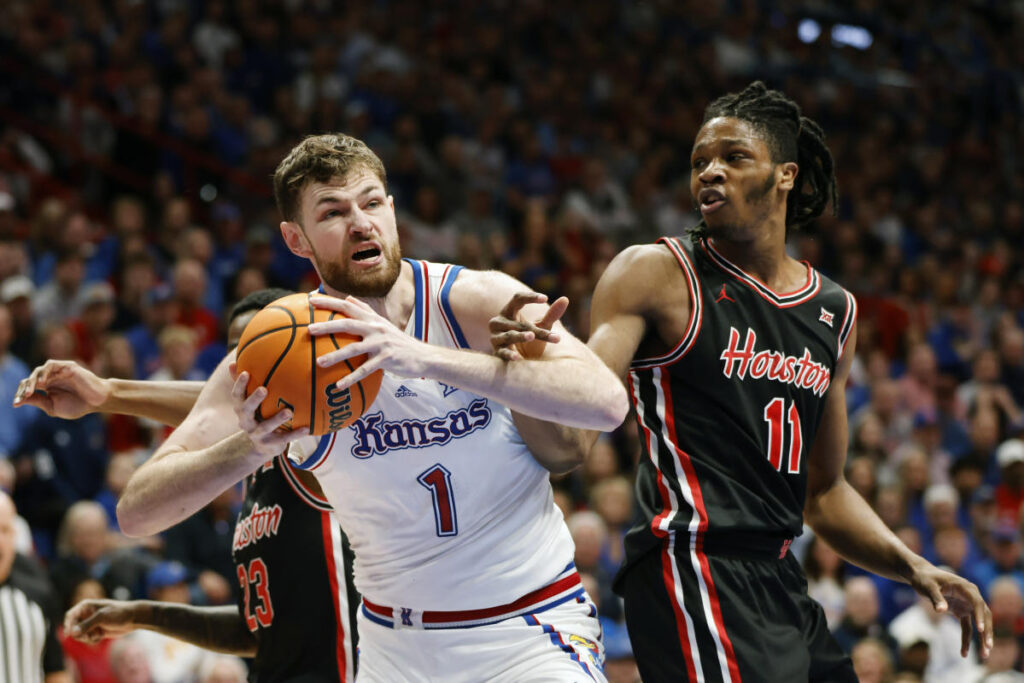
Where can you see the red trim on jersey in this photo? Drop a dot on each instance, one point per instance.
(323, 456)
(698, 501)
(440, 307)
(787, 300)
(696, 319)
(426, 300)
(666, 554)
(306, 494)
(326, 526)
(849, 319)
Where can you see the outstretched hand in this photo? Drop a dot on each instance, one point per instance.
(513, 338)
(955, 595)
(64, 389)
(90, 621)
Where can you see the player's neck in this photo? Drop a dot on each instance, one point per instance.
(764, 257)
(398, 303)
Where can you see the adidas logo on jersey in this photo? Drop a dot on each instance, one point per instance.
(405, 392)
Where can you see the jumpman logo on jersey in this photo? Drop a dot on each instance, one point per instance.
(448, 389)
(724, 295)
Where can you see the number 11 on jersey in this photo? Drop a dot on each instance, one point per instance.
(773, 414)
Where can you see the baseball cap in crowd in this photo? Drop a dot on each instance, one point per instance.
(159, 294)
(98, 293)
(912, 632)
(1005, 530)
(15, 287)
(983, 494)
(165, 574)
(1009, 452)
(925, 418)
(940, 493)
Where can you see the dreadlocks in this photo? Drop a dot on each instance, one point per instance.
(790, 137)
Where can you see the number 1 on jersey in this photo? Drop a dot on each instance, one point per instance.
(773, 413)
(439, 481)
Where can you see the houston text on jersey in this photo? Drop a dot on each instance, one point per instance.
(801, 372)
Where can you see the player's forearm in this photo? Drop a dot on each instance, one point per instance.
(166, 402)
(570, 391)
(220, 629)
(176, 483)
(847, 523)
(558, 448)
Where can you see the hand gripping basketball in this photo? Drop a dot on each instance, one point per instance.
(278, 354)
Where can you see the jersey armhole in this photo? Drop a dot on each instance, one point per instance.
(421, 309)
(307, 496)
(849, 318)
(304, 455)
(696, 309)
(445, 307)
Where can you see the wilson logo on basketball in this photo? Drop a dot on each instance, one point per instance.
(339, 404)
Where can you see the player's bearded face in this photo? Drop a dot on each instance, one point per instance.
(370, 284)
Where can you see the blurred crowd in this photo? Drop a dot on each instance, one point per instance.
(137, 140)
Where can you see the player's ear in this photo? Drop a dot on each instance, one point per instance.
(295, 238)
(787, 175)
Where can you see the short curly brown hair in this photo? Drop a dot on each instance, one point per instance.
(317, 159)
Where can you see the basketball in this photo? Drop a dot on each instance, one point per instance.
(279, 353)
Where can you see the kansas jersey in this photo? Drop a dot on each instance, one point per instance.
(294, 567)
(727, 417)
(444, 505)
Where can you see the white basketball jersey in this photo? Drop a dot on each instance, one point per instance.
(444, 506)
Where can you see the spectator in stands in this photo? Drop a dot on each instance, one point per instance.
(872, 661)
(159, 312)
(13, 424)
(824, 570)
(129, 662)
(1010, 491)
(861, 616)
(190, 284)
(59, 300)
(94, 323)
(16, 295)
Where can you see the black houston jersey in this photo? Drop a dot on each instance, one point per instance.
(727, 417)
(294, 566)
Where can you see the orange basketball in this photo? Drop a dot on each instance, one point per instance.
(279, 353)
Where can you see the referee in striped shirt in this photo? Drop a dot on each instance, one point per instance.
(29, 614)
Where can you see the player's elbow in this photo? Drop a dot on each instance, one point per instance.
(613, 409)
(131, 521)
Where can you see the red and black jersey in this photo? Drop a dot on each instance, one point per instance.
(727, 417)
(294, 566)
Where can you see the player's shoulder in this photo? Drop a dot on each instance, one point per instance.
(482, 287)
(642, 272)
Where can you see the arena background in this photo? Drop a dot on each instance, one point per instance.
(137, 141)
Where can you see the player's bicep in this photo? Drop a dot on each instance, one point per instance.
(617, 310)
(211, 418)
(479, 296)
(828, 452)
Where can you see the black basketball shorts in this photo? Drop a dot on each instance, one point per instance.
(694, 616)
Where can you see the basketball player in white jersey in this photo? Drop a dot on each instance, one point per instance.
(463, 560)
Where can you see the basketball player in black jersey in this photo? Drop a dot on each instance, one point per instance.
(737, 357)
(296, 611)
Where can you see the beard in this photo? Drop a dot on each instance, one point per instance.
(374, 284)
(758, 202)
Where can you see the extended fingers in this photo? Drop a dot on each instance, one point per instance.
(520, 299)
(359, 374)
(554, 313)
(357, 328)
(344, 353)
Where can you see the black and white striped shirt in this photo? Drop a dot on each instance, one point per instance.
(28, 620)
